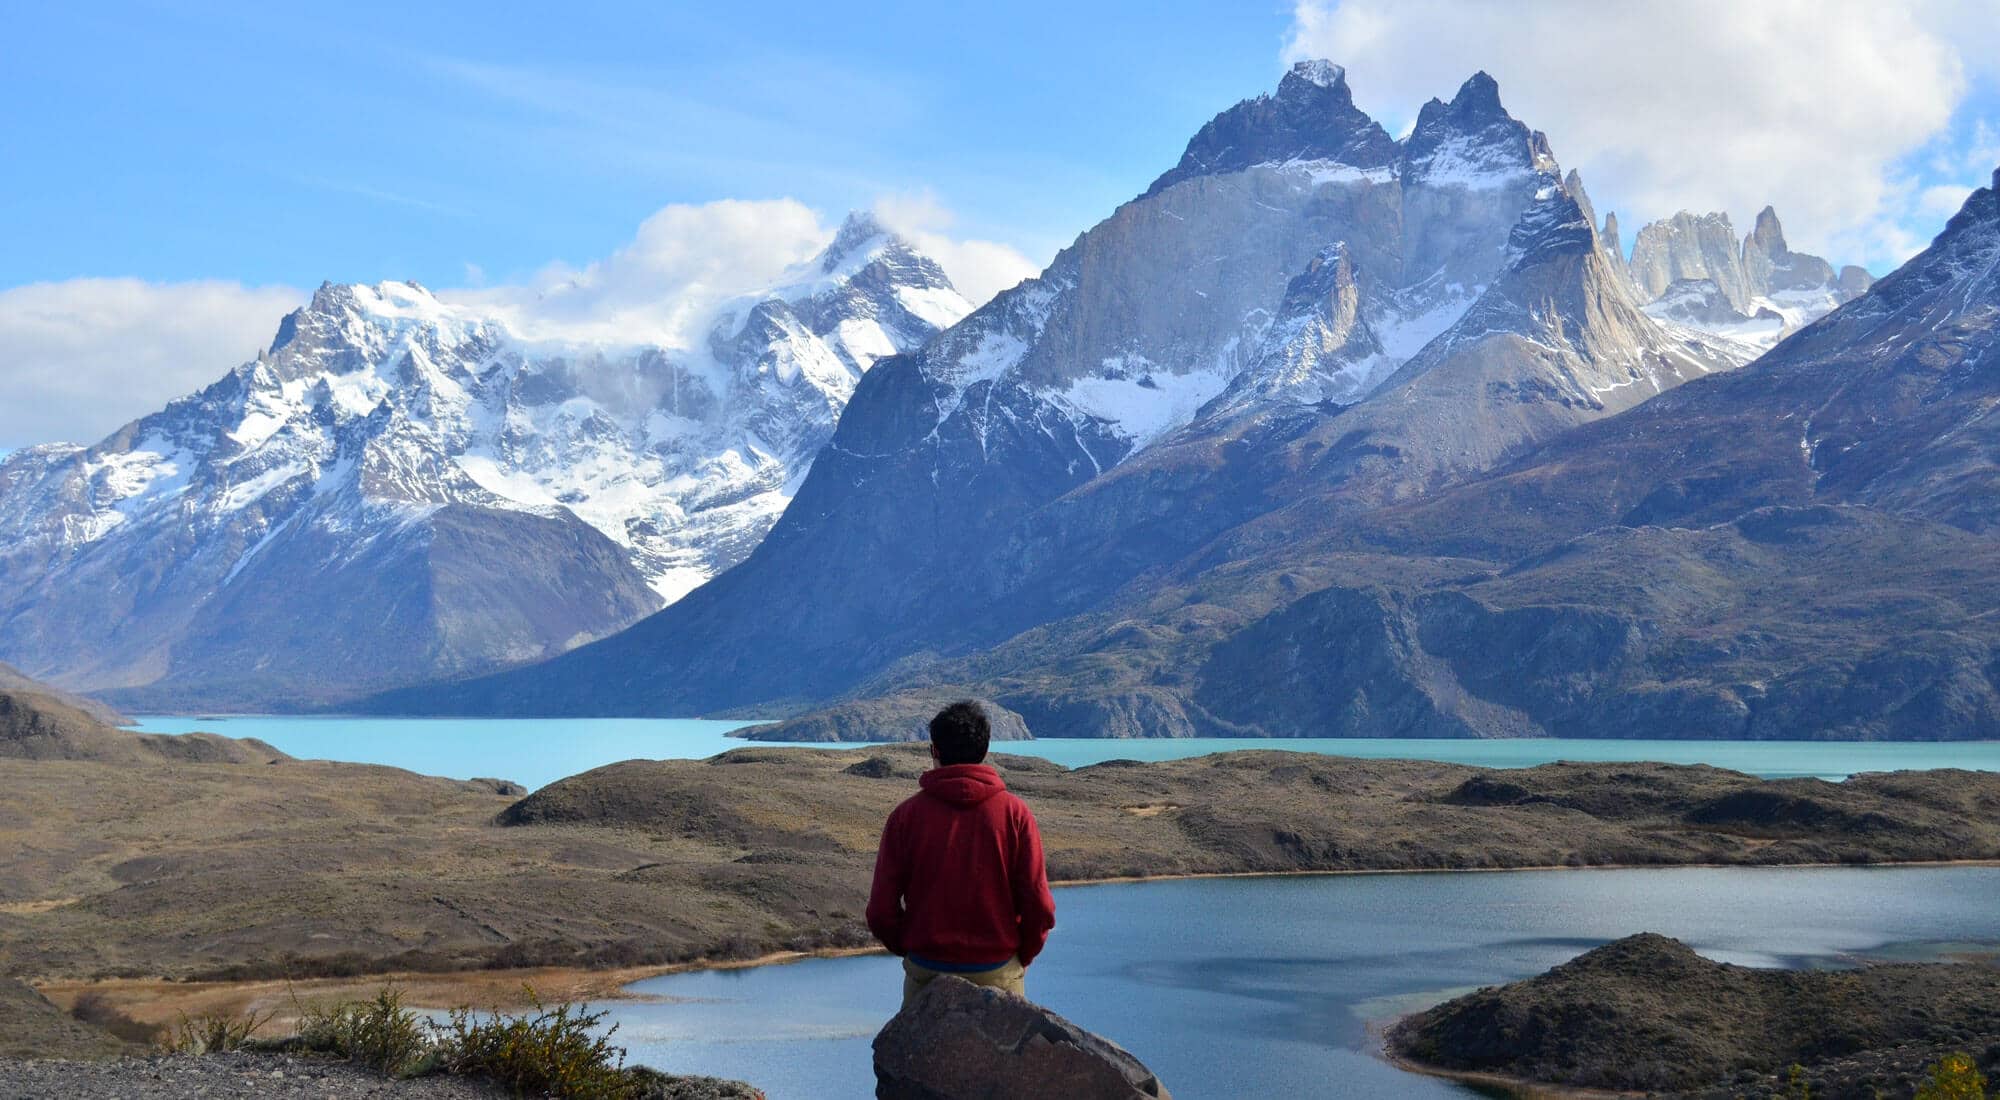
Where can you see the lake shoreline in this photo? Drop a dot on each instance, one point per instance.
(162, 1000)
(1119, 880)
(519, 749)
(1519, 1088)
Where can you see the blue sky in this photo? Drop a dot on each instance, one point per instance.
(362, 141)
(179, 175)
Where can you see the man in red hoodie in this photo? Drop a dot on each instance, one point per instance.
(960, 886)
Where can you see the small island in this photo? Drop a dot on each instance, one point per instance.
(1647, 1014)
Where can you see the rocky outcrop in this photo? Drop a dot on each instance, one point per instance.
(13, 679)
(36, 724)
(958, 1041)
(1687, 246)
(1648, 1013)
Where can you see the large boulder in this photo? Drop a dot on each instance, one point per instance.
(959, 1041)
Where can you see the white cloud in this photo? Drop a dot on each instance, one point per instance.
(80, 358)
(686, 260)
(978, 268)
(660, 288)
(1809, 105)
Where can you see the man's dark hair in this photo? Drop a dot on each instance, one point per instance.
(961, 732)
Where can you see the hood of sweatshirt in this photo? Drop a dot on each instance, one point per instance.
(963, 784)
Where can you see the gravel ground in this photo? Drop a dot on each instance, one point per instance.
(219, 1077)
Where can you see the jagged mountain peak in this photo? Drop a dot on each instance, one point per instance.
(1555, 225)
(860, 234)
(1318, 72)
(1311, 117)
(1768, 230)
(1318, 349)
(1981, 205)
(1473, 139)
(1476, 101)
(1691, 269)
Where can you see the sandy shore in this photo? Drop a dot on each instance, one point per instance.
(280, 1003)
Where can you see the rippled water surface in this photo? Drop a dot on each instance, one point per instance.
(1266, 987)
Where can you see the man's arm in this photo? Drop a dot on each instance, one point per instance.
(1034, 906)
(885, 897)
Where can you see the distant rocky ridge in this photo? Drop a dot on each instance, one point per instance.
(1648, 1014)
(1692, 270)
(402, 488)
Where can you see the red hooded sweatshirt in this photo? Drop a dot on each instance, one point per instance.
(959, 878)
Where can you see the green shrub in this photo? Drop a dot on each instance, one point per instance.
(379, 1033)
(561, 1051)
(550, 1051)
(1954, 1077)
(212, 1032)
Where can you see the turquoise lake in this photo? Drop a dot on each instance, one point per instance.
(1274, 987)
(535, 751)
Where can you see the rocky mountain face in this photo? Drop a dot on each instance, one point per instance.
(1302, 313)
(1692, 270)
(1802, 548)
(402, 488)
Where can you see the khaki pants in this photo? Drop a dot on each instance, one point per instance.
(1008, 977)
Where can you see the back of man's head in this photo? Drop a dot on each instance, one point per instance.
(960, 733)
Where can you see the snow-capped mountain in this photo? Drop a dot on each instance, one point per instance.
(1303, 315)
(1692, 271)
(184, 558)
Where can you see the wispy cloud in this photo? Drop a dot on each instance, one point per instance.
(377, 194)
(771, 123)
(87, 355)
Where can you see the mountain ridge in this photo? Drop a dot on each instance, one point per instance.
(446, 492)
(966, 480)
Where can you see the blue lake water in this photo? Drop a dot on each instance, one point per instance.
(536, 751)
(1268, 986)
